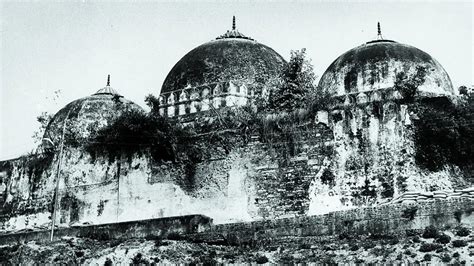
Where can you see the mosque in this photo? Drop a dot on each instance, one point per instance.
(248, 184)
(224, 72)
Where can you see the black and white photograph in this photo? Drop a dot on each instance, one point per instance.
(236, 132)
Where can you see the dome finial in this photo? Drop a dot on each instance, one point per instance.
(233, 22)
(108, 80)
(379, 32)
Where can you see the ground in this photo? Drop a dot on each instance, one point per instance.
(416, 247)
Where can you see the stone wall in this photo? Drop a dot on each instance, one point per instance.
(353, 156)
(162, 227)
(386, 220)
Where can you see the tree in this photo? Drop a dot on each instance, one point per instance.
(295, 85)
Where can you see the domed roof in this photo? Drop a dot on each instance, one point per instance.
(231, 56)
(375, 64)
(88, 114)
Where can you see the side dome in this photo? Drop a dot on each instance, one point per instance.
(374, 66)
(82, 117)
(229, 57)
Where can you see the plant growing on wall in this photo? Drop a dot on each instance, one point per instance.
(43, 119)
(443, 134)
(295, 86)
(408, 84)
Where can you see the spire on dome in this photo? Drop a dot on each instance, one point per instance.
(234, 33)
(107, 89)
(379, 32)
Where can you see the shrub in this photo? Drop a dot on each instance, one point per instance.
(443, 239)
(354, 247)
(139, 260)
(430, 232)
(427, 257)
(443, 134)
(412, 232)
(305, 246)
(459, 243)
(394, 241)
(456, 255)
(410, 213)
(416, 239)
(428, 247)
(368, 245)
(79, 253)
(108, 262)
(463, 231)
(261, 259)
(174, 236)
(445, 258)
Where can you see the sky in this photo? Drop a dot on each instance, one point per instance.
(52, 53)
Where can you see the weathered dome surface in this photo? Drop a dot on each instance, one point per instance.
(231, 56)
(88, 114)
(374, 65)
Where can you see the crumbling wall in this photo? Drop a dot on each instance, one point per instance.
(386, 220)
(353, 156)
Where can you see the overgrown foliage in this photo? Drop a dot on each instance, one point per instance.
(296, 85)
(443, 134)
(408, 84)
(43, 119)
(133, 131)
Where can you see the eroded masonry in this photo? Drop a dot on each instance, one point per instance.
(357, 151)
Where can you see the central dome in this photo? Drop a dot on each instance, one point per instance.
(231, 56)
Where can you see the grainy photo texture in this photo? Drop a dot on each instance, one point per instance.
(260, 132)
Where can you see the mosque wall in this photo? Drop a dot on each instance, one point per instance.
(355, 155)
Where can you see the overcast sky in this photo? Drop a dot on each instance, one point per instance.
(70, 47)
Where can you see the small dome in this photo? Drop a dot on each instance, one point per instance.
(375, 64)
(232, 56)
(88, 114)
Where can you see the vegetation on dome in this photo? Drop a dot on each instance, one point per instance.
(408, 84)
(442, 132)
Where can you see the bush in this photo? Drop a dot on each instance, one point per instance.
(368, 245)
(463, 231)
(430, 232)
(394, 241)
(427, 257)
(443, 239)
(108, 262)
(261, 259)
(443, 134)
(456, 255)
(412, 232)
(409, 213)
(416, 239)
(459, 243)
(354, 247)
(139, 260)
(79, 253)
(445, 258)
(428, 247)
(174, 236)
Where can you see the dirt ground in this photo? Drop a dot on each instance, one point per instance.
(429, 246)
